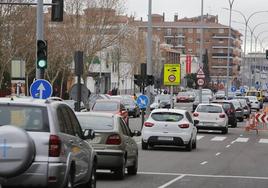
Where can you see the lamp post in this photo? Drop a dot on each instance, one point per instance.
(231, 2)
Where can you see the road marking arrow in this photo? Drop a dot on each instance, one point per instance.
(41, 89)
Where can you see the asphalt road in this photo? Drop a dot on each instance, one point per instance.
(238, 159)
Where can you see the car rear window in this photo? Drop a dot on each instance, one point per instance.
(105, 106)
(209, 109)
(95, 122)
(167, 116)
(26, 117)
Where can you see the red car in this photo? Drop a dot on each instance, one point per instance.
(112, 106)
(182, 97)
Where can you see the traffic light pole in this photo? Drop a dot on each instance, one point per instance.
(40, 73)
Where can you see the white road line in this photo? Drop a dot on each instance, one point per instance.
(228, 146)
(217, 154)
(264, 141)
(172, 181)
(210, 131)
(205, 175)
(241, 140)
(203, 163)
(198, 137)
(218, 138)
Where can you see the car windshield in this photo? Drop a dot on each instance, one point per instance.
(167, 116)
(209, 109)
(25, 117)
(105, 106)
(95, 122)
(236, 104)
(162, 97)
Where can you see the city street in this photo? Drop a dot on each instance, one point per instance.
(234, 160)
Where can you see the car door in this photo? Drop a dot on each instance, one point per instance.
(79, 148)
(189, 118)
(128, 142)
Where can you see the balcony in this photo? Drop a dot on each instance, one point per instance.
(222, 36)
(221, 55)
(170, 35)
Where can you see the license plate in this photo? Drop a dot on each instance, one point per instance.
(96, 140)
(165, 138)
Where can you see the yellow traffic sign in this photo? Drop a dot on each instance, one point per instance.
(172, 74)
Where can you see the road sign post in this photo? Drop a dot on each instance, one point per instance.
(142, 102)
(200, 82)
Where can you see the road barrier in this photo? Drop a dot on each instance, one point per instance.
(258, 121)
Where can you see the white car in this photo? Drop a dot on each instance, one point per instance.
(211, 117)
(169, 127)
(254, 103)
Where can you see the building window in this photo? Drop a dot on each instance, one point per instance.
(180, 31)
(220, 61)
(198, 41)
(198, 30)
(190, 30)
(168, 31)
(190, 40)
(168, 41)
(221, 30)
(190, 50)
(221, 40)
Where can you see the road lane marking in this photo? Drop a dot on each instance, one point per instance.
(264, 141)
(228, 146)
(217, 154)
(198, 137)
(218, 138)
(204, 175)
(241, 140)
(203, 163)
(172, 181)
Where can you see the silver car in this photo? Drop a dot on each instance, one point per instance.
(115, 147)
(42, 145)
(239, 110)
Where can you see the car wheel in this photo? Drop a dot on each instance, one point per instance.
(92, 180)
(69, 183)
(189, 146)
(132, 170)
(120, 172)
(225, 130)
(194, 144)
(144, 145)
(241, 119)
(234, 124)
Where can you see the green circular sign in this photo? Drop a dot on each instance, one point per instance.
(42, 63)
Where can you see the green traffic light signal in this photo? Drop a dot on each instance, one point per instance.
(41, 54)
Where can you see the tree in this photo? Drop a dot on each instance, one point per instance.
(191, 80)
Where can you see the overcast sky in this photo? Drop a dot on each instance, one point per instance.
(191, 8)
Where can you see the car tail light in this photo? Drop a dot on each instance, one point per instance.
(148, 124)
(184, 126)
(54, 146)
(114, 139)
(195, 114)
(222, 115)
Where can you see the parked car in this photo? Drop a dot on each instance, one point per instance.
(112, 106)
(211, 117)
(229, 110)
(113, 142)
(169, 127)
(255, 104)
(46, 145)
(239, 111)
(132, 107)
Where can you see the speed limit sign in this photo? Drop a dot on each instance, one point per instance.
(200, 82)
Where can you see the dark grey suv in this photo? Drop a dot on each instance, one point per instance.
(42, 145)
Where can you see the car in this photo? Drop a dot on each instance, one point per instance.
(239, 110)
(112, 106)
(254, 102)
(132, 107)
(220, 94)
(231, 95)
(161, 101)
(245, 106)
(169, 127)
(257, 93)
(114, 143)
(94, 97)
(49, 148)
(211, 117)
(229, 110)
(205, 99)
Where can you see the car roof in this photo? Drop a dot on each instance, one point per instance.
(103, 114)
(108, 100)
(28, 101)
(221, 101)
(213, 104)
(181, 111)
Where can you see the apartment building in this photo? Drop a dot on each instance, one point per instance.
(184, 36)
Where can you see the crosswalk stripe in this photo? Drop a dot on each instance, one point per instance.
(241, 140)
(218, 138)
(265, 141)
(198, 137)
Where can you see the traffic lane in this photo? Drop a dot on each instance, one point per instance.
(184, 106)
(140, 180)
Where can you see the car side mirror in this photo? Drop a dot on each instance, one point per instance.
(196, 122)
(136, 133)
(88, 134)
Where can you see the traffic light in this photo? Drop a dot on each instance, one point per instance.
(41, 54)
(150, 80)
(266, 54)
(137, 80)
(57, 11)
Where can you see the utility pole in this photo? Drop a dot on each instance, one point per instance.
(201, 46)
(39, 74)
